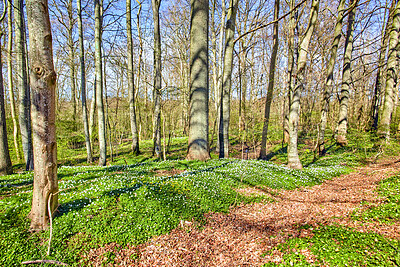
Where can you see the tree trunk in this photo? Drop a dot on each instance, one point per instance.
(329, 77)
(131, 81)
(391, 76)
(271, 80)
(198, 148)
(89, 157)
(5, 160)
(346, 79)
(157, 80)
(294, 111)
(92, 114)
(71, 61)
(10, 80)
(43, 82)
(225, 105)
(22, 83)
(99, 83)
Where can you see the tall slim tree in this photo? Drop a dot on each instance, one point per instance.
(71, 60)
(271, 82)
(89, 157)
(225, 106)
(157, 79)
(328, 86)
(43, 83)
(10, 81)
(131, 81)
(198, 148)
(22, 83)
(99, 82)
(294, 111)
(391, 75)
(346, 78)
(5, 160)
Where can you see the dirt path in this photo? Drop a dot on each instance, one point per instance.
(240, 237)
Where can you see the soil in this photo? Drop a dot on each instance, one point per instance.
(240, 237)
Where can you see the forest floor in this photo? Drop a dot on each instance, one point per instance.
(250, 234)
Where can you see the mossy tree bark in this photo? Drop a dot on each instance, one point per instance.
(43, 83)
(346, 78)
(294, 111)
(329, 77)
(198, 148)
(22, 84)
(225, 105)
(271, 81)
(89, 157)
(157, 80)
(131, 81)
(391, 76)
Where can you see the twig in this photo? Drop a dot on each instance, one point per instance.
(45, 261)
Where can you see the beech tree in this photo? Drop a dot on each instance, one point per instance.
(198, 112)
(43, 83)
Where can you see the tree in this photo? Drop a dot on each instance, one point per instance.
(294, 111)
(271, 81)
(5, 160)
(43, 83)
(328, 86)
(131, 83)
(157, 79)
(89, 157)
(225, 106)
(346, 78)
(198, 112)
(391, 76)
(22, 83)
(99, 82)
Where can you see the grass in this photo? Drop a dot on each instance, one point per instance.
(140, 197)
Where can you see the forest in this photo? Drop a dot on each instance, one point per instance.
(199, 133)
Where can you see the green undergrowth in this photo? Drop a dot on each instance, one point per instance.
(389, 210)
(128, 204)
(339, 246)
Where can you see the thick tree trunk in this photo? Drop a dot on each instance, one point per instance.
(271, 81)
(10, 80)
(346, 80)
(329, 78)
(99, 84)
(391, 76)
(198, 148)
(5, 160)
(157, 80)
(89, 157)
(43, 82)
(22, 83)
(380, 77)
(131, 81)
(294, 111)
(225, 105)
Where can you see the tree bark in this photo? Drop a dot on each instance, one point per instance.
(294, 111)
(99, 83)
(198, 148)
(89, 157)
(391, 76)
(71, 61)
(329, 78)
(131, 81)
(157, 80)
(5, 160)
(225, 105)
(380, 77)
(43, 82)
(346, 79)
(271, 81)
(10, 80)
(22, 83)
